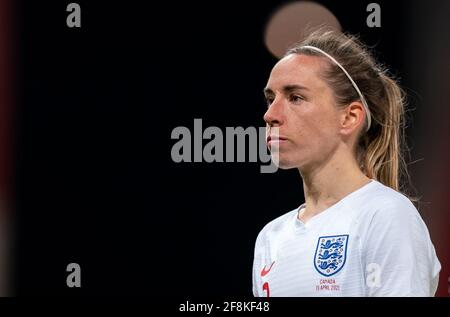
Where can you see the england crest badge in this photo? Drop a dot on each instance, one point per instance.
(331, 252)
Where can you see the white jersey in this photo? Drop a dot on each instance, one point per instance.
(373, 242)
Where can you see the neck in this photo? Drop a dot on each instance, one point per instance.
(329, 182)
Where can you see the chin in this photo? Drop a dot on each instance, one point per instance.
(286, 159)
(284, 163)
(286, 166)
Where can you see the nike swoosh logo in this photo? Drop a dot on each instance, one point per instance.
(264, 272)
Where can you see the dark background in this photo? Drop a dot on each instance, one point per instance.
(95, 183)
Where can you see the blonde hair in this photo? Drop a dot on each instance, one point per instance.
(380, 151)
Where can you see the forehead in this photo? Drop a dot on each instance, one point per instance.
(298, 69)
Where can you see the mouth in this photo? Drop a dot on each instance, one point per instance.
(275, 140)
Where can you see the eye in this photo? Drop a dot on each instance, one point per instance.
(296, 98)
(269, 101)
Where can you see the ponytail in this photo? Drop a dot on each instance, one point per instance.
(384, 148)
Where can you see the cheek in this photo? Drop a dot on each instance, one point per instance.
(315, 130)
(323, 121)
(309, 124)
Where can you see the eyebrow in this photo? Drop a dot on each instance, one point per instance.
(286, 89)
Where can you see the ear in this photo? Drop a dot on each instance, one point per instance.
(352, 117)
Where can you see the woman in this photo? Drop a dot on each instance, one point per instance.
(337, 117)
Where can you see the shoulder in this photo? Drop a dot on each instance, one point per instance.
(388, 215)
(384, 204)
(394, 206)
(275, 227)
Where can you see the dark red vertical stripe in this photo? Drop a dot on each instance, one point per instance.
(7, 80)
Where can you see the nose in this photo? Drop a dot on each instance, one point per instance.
(274, 114)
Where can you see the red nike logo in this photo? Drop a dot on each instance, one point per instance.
(264, 272)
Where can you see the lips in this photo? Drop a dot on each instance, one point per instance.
(275, 140)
